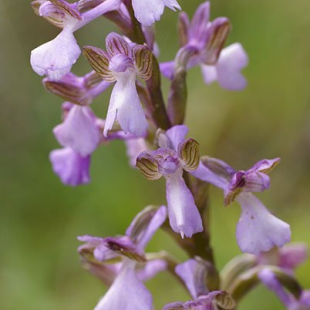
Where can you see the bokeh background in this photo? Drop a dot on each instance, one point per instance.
(40, 218)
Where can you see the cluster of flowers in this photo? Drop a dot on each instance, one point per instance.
(156, 142)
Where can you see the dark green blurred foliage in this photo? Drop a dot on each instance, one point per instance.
(40, 218)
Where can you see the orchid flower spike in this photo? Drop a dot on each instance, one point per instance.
(257, 230)
(175, 155)
(202, 44)
(147, 12)
(122, 63)
(127, 291)
(56, 57)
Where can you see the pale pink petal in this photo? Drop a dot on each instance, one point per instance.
(177, 135)
(55, 58)
(232, 59)
(148, 11)
(72, 168)
(79, 131)
(126, 292)
(167, 69)
(134, 148)
(193, 273)
(183, 214)
(126, 107)
(209, 73)
(258, 230)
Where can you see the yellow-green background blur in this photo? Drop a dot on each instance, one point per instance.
(40, 218)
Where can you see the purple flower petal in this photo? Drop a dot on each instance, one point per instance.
(198, 30)
(126, 292)
(79, 131)
(183, 214)
(149, 11)
(55, 58)
(205, 174)
(232, 59)
(292, 255)
(72, 168)
(209, 74)
(177, 135)
(227, 70)
(146, 226)
(126, 107)
(151, 269)
(268, 278)
(167, 69)
(193, 274)
(257, 229)
(134, 148)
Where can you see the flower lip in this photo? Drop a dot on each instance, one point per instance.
(238, 180)
(167, 163)
(120, 63)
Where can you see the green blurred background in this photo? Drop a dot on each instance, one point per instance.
(40, 218)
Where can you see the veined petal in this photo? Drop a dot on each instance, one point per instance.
(198, 33)
(183, 28)
(116, 45)
(217, 34)
(72, 168)
(126, 107)
(126, 292)
(148, 166)
(183, 214)
(258, 230)
(143, 61)
(55, 58)
(68, 8)
(212, 301)
(79, 131)
(232, 59)
(145, 224)
(99, 60)
(265, 165)
(189, 154)
(126, 247)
